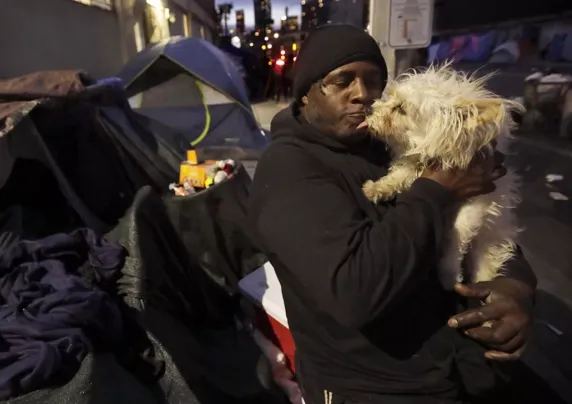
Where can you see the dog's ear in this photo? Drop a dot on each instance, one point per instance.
(485, 111)
(490, 110)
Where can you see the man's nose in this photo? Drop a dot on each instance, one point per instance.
(360, 93)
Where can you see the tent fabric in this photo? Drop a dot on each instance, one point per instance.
(193, 87)
(200, 57)
(479, 47)
(555, 49)
(464, 48)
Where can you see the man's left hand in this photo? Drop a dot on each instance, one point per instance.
(507, 308)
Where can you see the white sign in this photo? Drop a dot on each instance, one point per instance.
(410, 23)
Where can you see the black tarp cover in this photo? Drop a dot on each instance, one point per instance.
(74, 155)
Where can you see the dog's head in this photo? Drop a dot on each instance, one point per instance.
(440, 115)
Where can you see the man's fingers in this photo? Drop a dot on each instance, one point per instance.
(473, 317)
(478, 290)
(504, 356)
(500, 336)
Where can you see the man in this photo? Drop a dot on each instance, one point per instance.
(369, 318)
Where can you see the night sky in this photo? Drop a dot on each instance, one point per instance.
(277, 6)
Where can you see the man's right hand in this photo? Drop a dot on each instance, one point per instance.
(477, 179)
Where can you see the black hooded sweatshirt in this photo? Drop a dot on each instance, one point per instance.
(363, 301)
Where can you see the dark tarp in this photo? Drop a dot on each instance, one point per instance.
(167, 288)
(90, 145)
(68, 141)
(82, 158)
(194, 87)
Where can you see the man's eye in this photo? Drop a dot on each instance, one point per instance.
(343, 83)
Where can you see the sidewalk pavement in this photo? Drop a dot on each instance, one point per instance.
(265, 111)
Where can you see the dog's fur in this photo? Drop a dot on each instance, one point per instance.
(441, 116)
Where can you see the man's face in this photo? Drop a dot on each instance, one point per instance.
(339, 102)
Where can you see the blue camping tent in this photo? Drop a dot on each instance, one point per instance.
(195, 88)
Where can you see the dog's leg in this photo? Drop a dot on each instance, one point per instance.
(399, 179)
(465, 228)
(494, 245)
(496, 241)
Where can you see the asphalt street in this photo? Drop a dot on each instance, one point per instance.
(544, 164)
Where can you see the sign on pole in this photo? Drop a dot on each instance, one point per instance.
(410, 23)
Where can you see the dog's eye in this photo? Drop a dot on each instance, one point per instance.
(399, 109)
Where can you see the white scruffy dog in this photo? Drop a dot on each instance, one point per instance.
(441, 116)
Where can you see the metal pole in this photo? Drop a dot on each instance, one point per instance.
(378, 23)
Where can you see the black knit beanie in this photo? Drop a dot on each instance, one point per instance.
(329, 47)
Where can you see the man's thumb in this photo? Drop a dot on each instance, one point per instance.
(473, 290)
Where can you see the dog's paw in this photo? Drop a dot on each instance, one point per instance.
(369, 191)
(374, 192)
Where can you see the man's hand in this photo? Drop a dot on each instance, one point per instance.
(507, 306)
(477, 179)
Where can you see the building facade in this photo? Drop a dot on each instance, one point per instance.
(263, 15)
(289, 24)
(240, 24)
(97, 36)
(315, 13)
(352, 12)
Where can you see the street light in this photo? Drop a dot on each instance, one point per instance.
(276, 35)
(251, 44)
(266, 38)
(269, 46)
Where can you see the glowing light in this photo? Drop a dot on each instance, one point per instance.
(263, 47)
(280, 62)
(256, 33)
(269, 46)
(276, 35)
(282, 57)
(294, 46)
(282, 52)
(295, 57)
(251, 44)
(266, 38)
